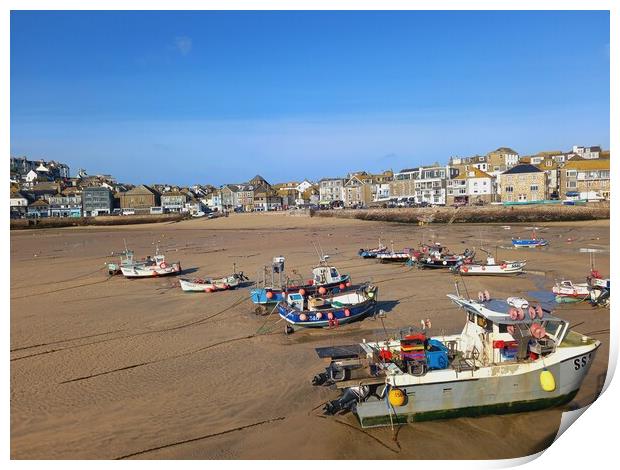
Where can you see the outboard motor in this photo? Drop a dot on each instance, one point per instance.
(347, 401)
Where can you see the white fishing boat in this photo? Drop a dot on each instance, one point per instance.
(570, 290)
(153, 266)
(212, 285)
(491, 268)
(507, 359)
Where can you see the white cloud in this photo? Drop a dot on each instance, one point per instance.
(183, 44)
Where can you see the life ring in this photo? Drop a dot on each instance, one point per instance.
(464, 269)
(163, 265)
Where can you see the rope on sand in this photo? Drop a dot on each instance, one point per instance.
(199, 438)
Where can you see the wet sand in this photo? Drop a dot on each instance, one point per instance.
(105, 368)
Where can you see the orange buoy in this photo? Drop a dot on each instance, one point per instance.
(521, 314)
(532, 312)
(269, 294)
(342, 286)
(303, 317)
(348, 284)
(330, 315)
(464, 269)
(322, 290)
(302, 292)
(347, 312)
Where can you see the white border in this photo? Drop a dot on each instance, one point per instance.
(589, 443)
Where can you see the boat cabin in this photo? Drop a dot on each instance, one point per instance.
(326, 275)
(492, 336)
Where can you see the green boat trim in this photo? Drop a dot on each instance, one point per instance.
(471, 411)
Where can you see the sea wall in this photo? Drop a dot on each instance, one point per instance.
(104, 220)
(484, 214)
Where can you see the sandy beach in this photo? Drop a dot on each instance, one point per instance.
(106, 367)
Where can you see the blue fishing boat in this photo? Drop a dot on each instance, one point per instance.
(325, 280)
(529, 242)
(328, 311)
(372, 252)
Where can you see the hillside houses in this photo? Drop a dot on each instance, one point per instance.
(499, 176)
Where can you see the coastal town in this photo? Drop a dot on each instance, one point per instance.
(44, 189)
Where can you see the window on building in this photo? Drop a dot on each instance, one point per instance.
(509, 189)
(534, 187)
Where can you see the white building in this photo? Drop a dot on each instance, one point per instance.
(331, 189)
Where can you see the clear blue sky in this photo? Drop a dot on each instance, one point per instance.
(216, 97)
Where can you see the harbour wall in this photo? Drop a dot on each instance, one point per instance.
(484, 214)
(57, 222)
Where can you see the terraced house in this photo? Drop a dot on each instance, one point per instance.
(173, 201)
(585, 179)
(140, 199)
(473, 186)
(523, 183)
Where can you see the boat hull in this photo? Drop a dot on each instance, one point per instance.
(259, 296)
(150, 271)
(471, 396)
(518, 243)
(205, 286)
(506, 269)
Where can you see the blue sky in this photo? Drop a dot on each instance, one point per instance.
(216, 97)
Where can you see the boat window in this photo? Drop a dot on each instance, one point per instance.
(334, 273)
(484, 323)
(471, 317)
(503, 328)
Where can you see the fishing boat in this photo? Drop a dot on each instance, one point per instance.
(153, 266)
(509, 357)
(328, 311)
(391, 256)
(273, 284)
(491, 268)
(599, 289)
(529, 242)
(567, 291)
(212, 285)
(372, 252)
(437, 257)
(126, 260)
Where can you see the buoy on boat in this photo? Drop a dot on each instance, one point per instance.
(330, 315)
(348, 284)
(319, 316)
(322, 290)
(487, 296)
(514, 314)
(510, 329)
(532, 312)
(342, 286)
(521, 314)
(480, 296)
(464, 269)
(396, 397)
(303, 317)
(547, 381)
(269, 295)
(302, 292)
(163, 265)
(347, 312)
(539, 311)
(503, 266)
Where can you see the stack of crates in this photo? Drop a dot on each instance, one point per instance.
(412, 348)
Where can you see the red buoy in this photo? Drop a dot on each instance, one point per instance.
(322, 290)
(269, 295)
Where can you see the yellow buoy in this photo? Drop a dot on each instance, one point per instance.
(547, 381)
(396, 397)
